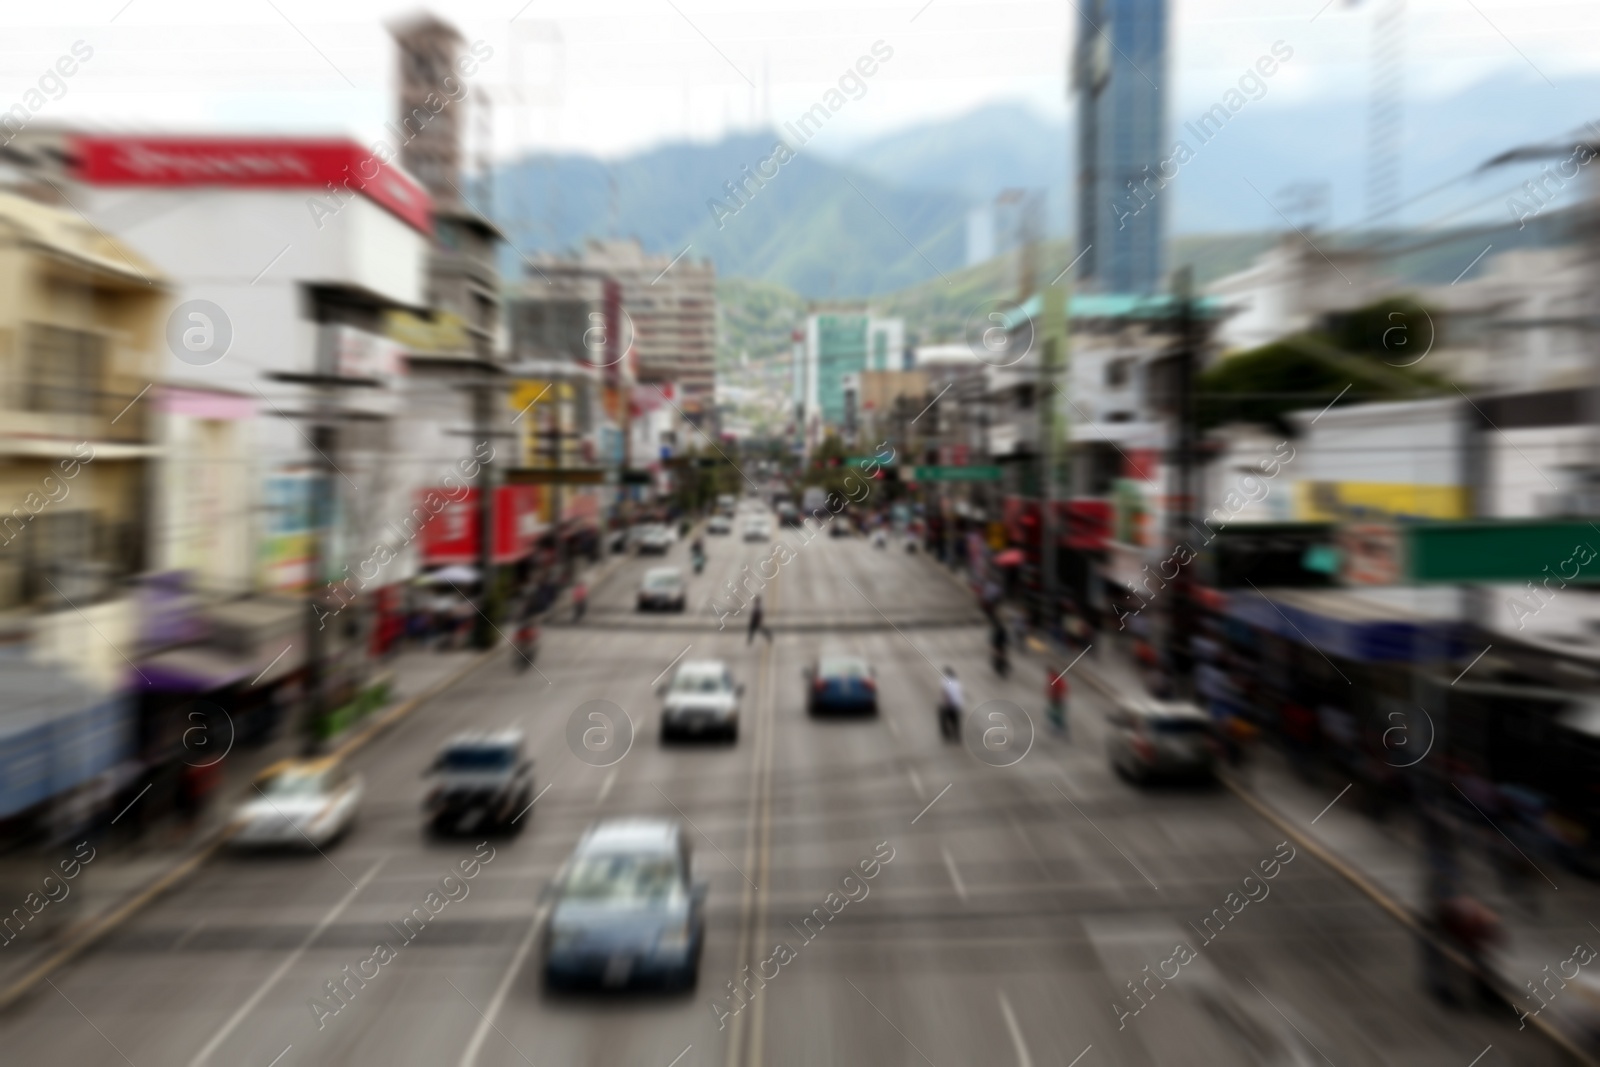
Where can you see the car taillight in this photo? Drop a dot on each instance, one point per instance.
(819, 685)
(1144, 748)
(871, 685)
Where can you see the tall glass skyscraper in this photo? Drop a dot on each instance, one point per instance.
(1119, 74)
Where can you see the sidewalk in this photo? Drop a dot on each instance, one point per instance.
(119, 879)
(1385, 860)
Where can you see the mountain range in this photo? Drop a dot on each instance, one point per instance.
(873, 217)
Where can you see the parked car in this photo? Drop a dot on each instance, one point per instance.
(757, 528)
(298, 803)
(702, 701)
(1152, 738)
(663, 589)
(841, 684)
(719, 524)
(479, 780)
(626, 912)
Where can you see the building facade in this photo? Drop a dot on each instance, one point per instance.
(1119, 68)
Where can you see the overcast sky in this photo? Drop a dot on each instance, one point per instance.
(610, 76)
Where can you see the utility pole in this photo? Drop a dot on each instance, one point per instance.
(1052, 356)
(1184, 444)
(483, 633)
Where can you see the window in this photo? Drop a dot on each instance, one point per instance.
(64, 371)
(1117, 373)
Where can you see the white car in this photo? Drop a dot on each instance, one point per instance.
(656, 539)
(299, 804)
(757, 529)
(719, 524)
(702, 700)
(662, 589)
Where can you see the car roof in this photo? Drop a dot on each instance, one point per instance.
(839, 659)
(702, 666)
(485, 739)
(631, 835)
(658, 572)
(1150, 707)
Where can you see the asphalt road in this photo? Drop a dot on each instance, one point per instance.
(1018, 904)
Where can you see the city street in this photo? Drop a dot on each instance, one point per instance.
(1019, 906)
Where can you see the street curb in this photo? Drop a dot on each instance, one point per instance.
(22, 986)
(377, 725)
(1395, 910)
(204, 853)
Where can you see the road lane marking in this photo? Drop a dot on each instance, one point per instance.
(955, 875)
(1023, 1059)
(497, 1030)
(486, 1023)
(205, 1054)
(605, 786)
(931, 803)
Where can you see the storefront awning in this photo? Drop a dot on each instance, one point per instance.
(1339, 623)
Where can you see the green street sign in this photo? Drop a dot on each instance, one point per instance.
(953, 474)
(1513, 550)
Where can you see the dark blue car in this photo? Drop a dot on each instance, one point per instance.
(842, 684)
(626, 914)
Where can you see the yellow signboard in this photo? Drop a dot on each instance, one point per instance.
(444, 332)
(1368, 501)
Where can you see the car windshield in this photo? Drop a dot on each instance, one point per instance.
(844, 668)
(295, 783)
(697, 683)
(661, 580)
(623, 878)
(476, 758)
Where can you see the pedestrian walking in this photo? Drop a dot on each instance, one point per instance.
(755, 622)
(1055, 694)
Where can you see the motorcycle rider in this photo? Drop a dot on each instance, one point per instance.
(951, 703)
(697, 554)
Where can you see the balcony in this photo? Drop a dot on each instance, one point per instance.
(51, 410)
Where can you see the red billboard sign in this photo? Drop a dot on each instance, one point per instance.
(256, 162)
(451, 536)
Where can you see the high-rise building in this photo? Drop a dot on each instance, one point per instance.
(839, 344)
(671, 308)
(429, 51)
(1119, 69)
